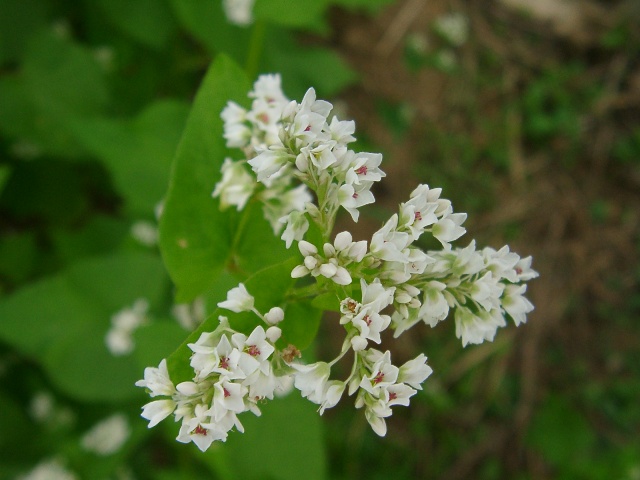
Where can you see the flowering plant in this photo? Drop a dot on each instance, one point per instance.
(294, 171)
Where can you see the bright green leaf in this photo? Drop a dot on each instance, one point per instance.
(195, 236)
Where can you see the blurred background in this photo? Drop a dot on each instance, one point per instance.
(527, 114)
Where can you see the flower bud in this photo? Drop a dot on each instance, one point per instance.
(274, 316)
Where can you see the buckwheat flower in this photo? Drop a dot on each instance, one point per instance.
(236, 132)
(383, 373)
(415, 371)
(486, 291)
(515, 304)
(238, 300)
(157, 380)
(448, 228)
(157, 411)
(269, 162)
(351, 198)
(476, 328)
(332, 394)
(311, 380)
(236, 186)
(524, 271)
(213, 354)
(199, 429)
(227, 396)
(269, 88)
(254, 351)
(435, 307)
(501, 263)
(342, 131)
(108, 436)
(296, 226)
(388, 244)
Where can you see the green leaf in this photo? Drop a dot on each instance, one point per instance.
(300, 324)
(59, 82)
(284, 443)
(195, 236)
(269, 288)
(304, 67)
(206, 20)
(19, 19)
(61, 322)
(148, 21)
(308, 14)
(138, 152)
(256, 246)
(327, 301)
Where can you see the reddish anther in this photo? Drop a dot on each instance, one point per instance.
(253, 350)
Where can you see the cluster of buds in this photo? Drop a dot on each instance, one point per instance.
(389, 283)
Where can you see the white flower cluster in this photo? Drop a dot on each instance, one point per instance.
(119, 338)
(232, 374)
(388, 283)
(287, 143)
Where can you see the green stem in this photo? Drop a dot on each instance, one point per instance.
(255, 48)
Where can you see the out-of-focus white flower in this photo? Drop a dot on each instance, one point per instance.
(119, 338)
(453, 27)
(145, 232)
(108, 436)
(239, 12)
(52, 469)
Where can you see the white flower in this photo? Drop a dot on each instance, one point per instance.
(415, 371)
(269, 162)
(157, 380)
(236, 185)
(297, 226)
(145, 233)
(524, 271)
(157, 411)
(311, 380)
(238, 12)
(332, 394)
(435, 307)
(471, 328)
(515, 303)
(388, 244)
(51, 469)
(108, 436)
(119, 338)
(448, 228)
(238, 300)
(351, 198)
